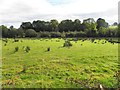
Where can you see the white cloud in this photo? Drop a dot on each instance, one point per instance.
(13, 12)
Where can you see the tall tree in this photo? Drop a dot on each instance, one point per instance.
(54, 24)
(66, 25)
(4, 31)
(77, 25)
(47, 26)
(38, 25)
(115, 24)
(101, 23)
(26, 25)
(89, 27)
(21, 32)
(12, 32)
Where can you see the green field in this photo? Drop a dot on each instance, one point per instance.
(84, 64)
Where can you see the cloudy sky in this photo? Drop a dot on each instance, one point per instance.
(13, 12)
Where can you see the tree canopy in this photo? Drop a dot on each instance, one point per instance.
(66, 28)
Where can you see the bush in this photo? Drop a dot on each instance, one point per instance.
(92, 40)
(30, 33)
(63, 35)
(5, 40)
(5, 44)
(27, 49)
(67, 43)
(15, 40)
(44, 34)
(16, 49)
(55, 34)
(70, 34)
(81, 34)
(48, 49)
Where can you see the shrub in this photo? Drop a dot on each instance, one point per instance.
(44, 34)
(5, 44)
(15, 40)
(48, 49)
(92, 40)
(67, 43)
(27, 49)
(5, 40)
(63, 35)
(80, 34)
(83, 40)
(30, 33)
(55, 34)
(16, 49)
(70, 34)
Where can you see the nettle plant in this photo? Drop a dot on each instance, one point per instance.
(27, 49)
(48, 49)
(67, 43)
(16, 49)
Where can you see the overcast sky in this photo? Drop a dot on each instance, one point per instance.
(14, 12)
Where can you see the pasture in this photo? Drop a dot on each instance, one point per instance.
(47, 64)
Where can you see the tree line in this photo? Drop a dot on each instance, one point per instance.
(66, 28)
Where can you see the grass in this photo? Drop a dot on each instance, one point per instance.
(61, 67)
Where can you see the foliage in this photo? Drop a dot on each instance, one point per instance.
(48, 49)
(55, 34)
(4, 31)
(54, 25)
(20, 33)
(101, 23)
(44, 34)
(66, 25)
(16, 49)
(30, 33)
(26, 25)
(66, 28)
(27, 49)
(16, 40)
(67, 43)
